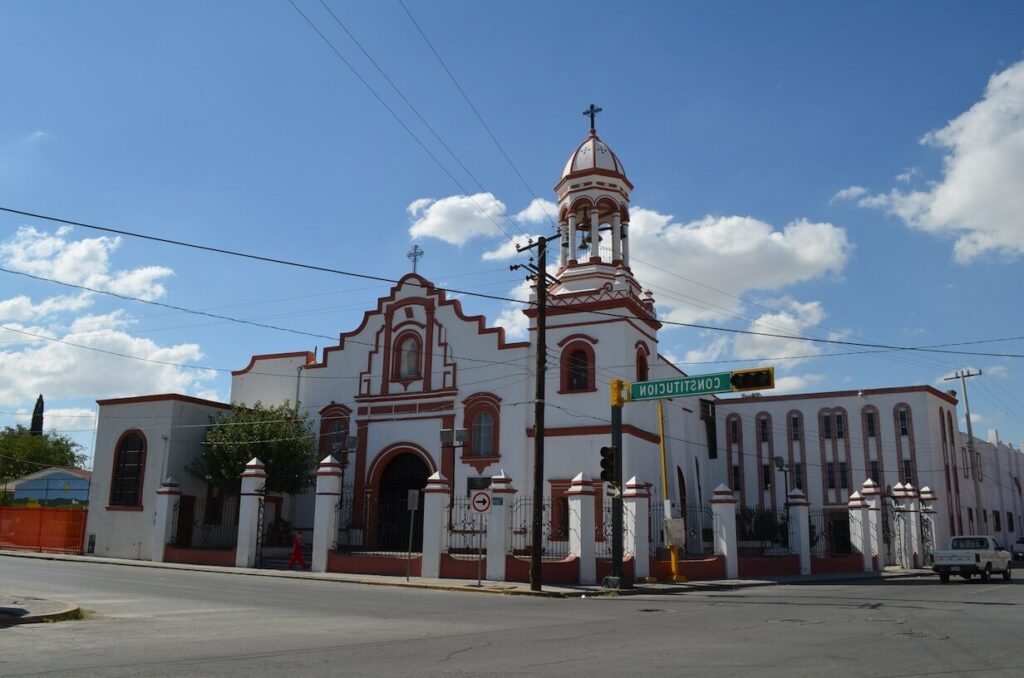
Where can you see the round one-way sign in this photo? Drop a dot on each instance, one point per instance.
(481, 501)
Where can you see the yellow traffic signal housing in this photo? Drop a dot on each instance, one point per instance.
(618, 392)
(753, 380)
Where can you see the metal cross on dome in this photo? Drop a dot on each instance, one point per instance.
(592, 112)
(414, 256)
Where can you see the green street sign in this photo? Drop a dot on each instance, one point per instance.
(701, 384)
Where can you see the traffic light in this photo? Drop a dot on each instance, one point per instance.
(753, 380)
(617, 391)
(608, 464)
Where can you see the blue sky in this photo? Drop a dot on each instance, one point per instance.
(844, 170)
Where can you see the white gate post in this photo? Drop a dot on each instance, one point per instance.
(800, 521)
(163, 525)
(435, 513)
(902, 531)
(581, 527)
(636, 502)
(914, 509)
(928, 500)
(871, 494)
(502, 494)
(325, 516)
(860, 529)
(254, 477)
(723, 505)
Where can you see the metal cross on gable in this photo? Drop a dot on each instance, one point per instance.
(414, 256)
(592, 112)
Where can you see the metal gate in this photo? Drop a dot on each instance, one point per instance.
(467, 529)
(259, 532)
(927, 539)
(894, 533)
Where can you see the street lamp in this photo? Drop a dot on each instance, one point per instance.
(781, 465)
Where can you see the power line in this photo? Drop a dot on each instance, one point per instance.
(395, 116)
(325, 269)
(413, 108)
(466, 97)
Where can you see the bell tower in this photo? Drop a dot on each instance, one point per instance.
(593, 214)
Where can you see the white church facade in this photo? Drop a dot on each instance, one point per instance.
(417, 365)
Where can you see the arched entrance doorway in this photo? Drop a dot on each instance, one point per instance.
(405, 472)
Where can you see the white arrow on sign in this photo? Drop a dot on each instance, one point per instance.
(481, 502)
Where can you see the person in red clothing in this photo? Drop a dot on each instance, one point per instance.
(297, 557)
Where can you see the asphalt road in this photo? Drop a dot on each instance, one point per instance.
(181, 623)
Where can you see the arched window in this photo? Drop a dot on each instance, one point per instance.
(407, 357)
(577, 365)
(481, 435)
(128, 470)
(482, 421)
(642, 371)
(334, 430)
(579, 370)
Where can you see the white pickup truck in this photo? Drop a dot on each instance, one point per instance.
(968, 556)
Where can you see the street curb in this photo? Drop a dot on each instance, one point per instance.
(70, 611)
(504, 591)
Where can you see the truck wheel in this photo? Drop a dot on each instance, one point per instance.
(1006, 572)
(986, 574)
(944, 577)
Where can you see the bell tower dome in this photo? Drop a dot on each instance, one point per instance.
(593, 199)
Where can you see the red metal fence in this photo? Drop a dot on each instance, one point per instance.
(42, 529)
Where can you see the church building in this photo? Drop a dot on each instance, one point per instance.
(420, 387)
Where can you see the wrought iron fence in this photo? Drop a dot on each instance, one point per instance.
(829, 533)
(603, 532)
(205, 522)
(467, 530)
(554, 528)
(656, 526)
(762, 532)
(379, 526)
(927, 537)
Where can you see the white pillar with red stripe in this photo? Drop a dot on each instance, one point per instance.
(636, 504)
(254, 478)
(435, 518)
(800, 534)
(164, 525)
(723, 506)
(860, 529)
(581, 527)
(502, 494)
(325, 516)
(872, 494)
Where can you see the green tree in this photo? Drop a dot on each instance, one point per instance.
(37, 417)
(281, 438)
(22, 452)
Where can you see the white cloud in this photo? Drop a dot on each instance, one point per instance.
(712, 351)
(68, 419)
(978, 200)
(457, 219)
(907, 175)
(849, 193)
(61, 371)
(539, 211)
(507, 249)
(998, 371)
(22, 308)
(793, 319)
(796, 383)
(512, 318)
(81, 262)
(699, 269)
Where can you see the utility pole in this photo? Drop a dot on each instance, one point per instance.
(616, 580)
(536, 532)
(963, 375)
